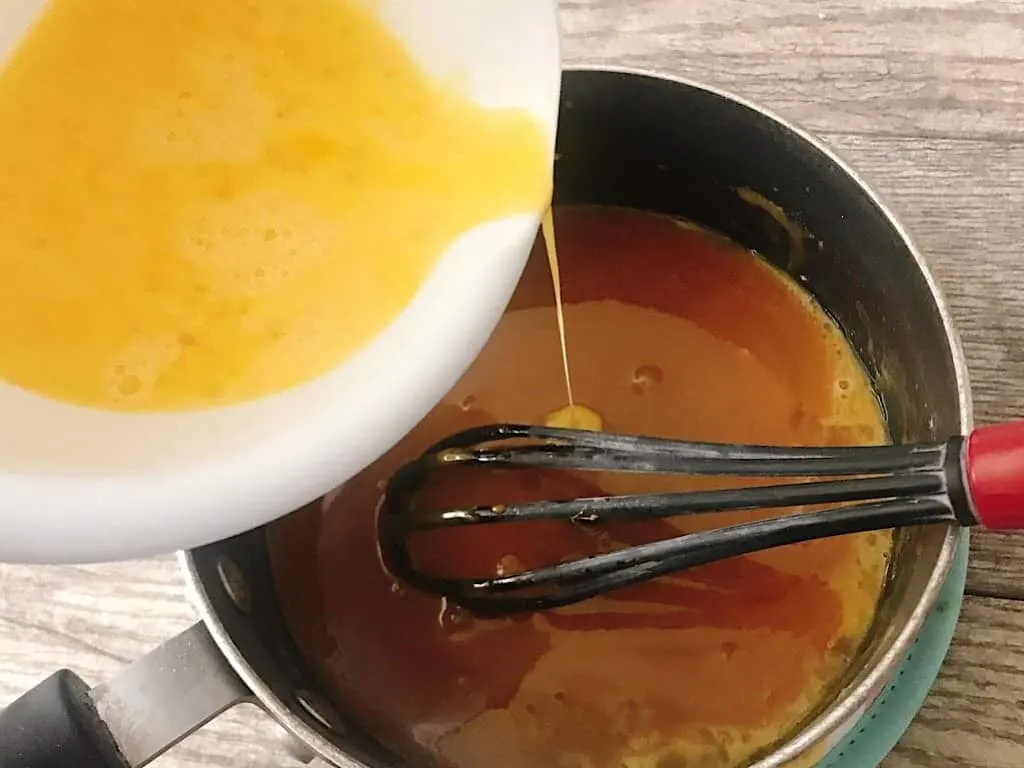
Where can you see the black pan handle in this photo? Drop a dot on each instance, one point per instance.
(152, 705)
(56, 725)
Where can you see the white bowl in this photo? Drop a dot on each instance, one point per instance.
(81, 485)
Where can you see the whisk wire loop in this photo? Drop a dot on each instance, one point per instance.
(893, 486)
(497, 447)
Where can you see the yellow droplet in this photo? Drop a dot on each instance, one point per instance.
(575, 417)
(509, 565)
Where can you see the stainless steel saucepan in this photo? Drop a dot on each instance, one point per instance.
(629, 139)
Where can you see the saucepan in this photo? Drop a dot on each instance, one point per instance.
(631, 139)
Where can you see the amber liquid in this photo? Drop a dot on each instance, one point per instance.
(676, 333)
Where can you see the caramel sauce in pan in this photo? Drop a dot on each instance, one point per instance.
(673, 332)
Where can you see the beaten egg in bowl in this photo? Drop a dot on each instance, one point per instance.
(209, 201)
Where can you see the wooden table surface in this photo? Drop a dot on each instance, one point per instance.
(926, 99)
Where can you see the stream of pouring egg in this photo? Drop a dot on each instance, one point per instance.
(572, 416)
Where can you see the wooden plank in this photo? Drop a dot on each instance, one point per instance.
(97, 618)
(995, 566)
(905, 67)
(973, 715)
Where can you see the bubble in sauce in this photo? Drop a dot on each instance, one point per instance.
(453, 618)
(645, 377)
(509, 565)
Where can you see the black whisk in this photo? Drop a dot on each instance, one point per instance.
(968, 481)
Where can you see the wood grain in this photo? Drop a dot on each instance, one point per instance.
(939, 68)
(973, 716)
(925, 98)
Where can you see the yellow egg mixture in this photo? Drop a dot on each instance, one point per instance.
(207, 201)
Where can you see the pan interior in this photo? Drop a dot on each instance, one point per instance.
(670, 148)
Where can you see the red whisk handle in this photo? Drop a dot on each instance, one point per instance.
(994, 474)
